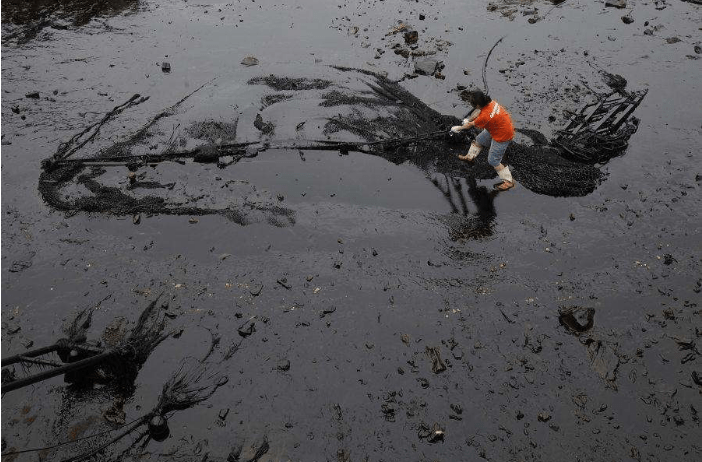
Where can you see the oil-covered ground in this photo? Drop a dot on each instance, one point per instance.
(353, 306)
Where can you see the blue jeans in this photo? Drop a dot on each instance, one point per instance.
(497, 148)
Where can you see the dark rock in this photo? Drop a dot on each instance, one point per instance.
(265, 127)
(627, 19)
(426, 66)
(437, 434)
(248, 328)
(166, 67)
(234, 454)
(616, 3)
(576, 319)
(668, 259)
(254, 451)
(698, 49)
(23, 263)
(255, 290)
(422, 17)
(405, 53)
(327, 311)
(284, 282)
(283, 365)
(437, 364)
(671, 40)
(544, 417)
(33, 95)
(411, 36)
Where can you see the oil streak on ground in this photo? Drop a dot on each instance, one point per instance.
(402, 315)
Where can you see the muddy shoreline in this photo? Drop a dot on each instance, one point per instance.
(402, 313)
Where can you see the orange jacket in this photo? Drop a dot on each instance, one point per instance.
(496, 120)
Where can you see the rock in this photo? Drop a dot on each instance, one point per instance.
(166, 67)
(437, 434)
(421, 17)
(193, 220)
(437, 364)
(668, 259)
(12, 330)
(698, 49)
(251, 151)
(616, 3)
(411, 36)
(544, 417)
(603, 360)
(327, 311)
(405, 53)
(374, 252)
(576, 319)
(627, 19)
(256, 289)
(466, 71)
(234, 454)
(264, 127)
(671, 40)
(248, 328)
(23, 263)
(254, 451)
(426, 66)
(283, 365)
(136, 219)
(284, 282)
(249, 61)
(32, 95)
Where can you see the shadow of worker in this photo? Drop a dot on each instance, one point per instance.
(462, 222)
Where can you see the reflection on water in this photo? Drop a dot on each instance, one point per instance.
(467, 222)
(25, 19)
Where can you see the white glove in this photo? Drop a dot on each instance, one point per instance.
(456, 128)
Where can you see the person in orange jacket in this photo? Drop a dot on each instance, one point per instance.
(497, 133)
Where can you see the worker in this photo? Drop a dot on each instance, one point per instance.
(497, 133)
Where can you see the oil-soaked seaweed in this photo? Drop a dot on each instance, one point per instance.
(380, 116)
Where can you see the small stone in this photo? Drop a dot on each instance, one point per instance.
(256, 290)
(616, 3)
(426, 66)
(246, 329)
(283, 365)
(544, 417)
(136, 219)
(421, 17)
(374, 252)
(411, 37)
(671, 40)
(166, 67)
(32, 95)
(249, 61)
(698, 49)
(627, 19)
(193, 220)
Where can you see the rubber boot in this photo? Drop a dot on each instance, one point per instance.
(505, 175)
(472, 153)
